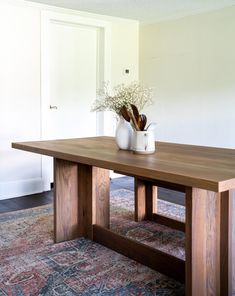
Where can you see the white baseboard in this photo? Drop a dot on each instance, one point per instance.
(31, 186)
(20, 188)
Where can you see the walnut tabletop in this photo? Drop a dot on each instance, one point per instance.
(195, 166)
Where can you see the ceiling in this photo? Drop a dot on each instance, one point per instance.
(142, 10)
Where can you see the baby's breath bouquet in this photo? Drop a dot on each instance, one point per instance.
(123, 95)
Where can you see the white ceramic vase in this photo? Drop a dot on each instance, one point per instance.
(124, 134)
(143, 142)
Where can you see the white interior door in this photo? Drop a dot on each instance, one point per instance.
(76, 56)
(72, 80)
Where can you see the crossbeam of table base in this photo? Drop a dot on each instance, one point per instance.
(155, 259)
(172, 223)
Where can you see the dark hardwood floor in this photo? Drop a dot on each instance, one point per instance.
(44, 198)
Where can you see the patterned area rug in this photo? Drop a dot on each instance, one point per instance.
(31, 264)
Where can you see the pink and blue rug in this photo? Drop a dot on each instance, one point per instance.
(31, 264)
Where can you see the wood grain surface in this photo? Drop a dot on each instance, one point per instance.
(81, 199)
(194, 166)
(66, 224)
(151, 200)
(170, 222)
(140, 200)
(145, 200)
(202, 242)
(93, 198)
(227, 243)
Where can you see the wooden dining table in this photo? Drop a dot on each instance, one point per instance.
(205, 174)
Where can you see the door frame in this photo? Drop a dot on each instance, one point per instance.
(103, 72)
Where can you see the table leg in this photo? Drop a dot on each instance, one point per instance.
(227, 244)
(93, 196)
(202, 242)
(81, 198)
(145, 200)
(65, 200)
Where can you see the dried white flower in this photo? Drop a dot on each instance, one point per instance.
(133, 93)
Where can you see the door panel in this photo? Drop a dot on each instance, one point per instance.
(70, 71)
(72, 80)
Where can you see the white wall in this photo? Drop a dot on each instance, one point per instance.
(20, 85)
(19, 98)
(125, 51)
(191, 64)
